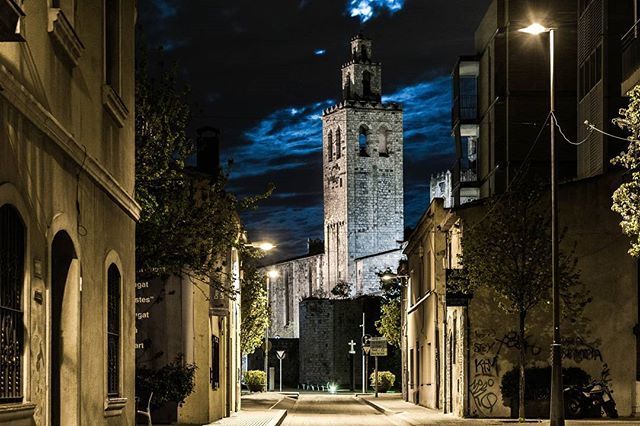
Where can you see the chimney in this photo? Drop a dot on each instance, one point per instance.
(208, 151)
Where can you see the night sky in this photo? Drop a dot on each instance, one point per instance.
(263, 70)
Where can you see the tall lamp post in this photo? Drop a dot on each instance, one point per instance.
(271, 275)
(556, 414)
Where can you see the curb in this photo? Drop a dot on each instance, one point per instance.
(277, 421)
(377, 407)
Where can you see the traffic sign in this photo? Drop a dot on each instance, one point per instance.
(280, 354)
(366, 349)
(378, 346)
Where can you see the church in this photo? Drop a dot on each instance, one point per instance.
(363, 203)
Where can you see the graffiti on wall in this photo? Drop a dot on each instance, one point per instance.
(488, 345)
(577, 349)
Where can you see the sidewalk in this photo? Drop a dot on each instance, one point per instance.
(259, 409)
(404, 413)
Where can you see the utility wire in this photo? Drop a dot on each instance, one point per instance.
(515, 179)
(591, 129)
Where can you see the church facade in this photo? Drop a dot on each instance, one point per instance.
(363, 197)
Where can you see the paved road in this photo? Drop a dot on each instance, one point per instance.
(344, 410)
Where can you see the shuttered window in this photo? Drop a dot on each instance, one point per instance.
(113, 331)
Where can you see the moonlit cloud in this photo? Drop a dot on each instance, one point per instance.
(320, 52)
(367, 9)
(288, 142)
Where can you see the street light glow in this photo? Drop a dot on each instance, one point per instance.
(535, 29)
(273, 274)
(388, 277)
(265, 246)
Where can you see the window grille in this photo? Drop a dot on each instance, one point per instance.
(113, 331)
(12, 247)
(215, 363)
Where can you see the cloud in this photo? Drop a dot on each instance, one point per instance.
(367, 9)
(286, 147)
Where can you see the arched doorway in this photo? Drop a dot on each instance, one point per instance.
(65, 330)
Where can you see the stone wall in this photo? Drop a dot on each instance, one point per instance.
(367, 279)
(326, 328)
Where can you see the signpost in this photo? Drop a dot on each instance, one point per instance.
(352, 354)
(281, 355)
(378, 348)
(365, 352)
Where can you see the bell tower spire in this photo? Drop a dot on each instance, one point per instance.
(361, 77)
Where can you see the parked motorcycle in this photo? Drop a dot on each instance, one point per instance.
(589, 401)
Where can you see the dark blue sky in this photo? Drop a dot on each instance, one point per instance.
(263, 71)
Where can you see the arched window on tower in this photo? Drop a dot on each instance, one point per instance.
(330, 146)
(363, 141)
(366, 84)
(338, 143)
(383, 142)
(365, 54)
(346, 91)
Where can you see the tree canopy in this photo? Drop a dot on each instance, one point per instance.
(254, 308)
(626, 199)
(389, 324)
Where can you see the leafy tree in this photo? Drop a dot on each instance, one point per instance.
(188, 219)
(508, 253)
(626, 199)
(342, 290)
(389, 324)
(254, 308)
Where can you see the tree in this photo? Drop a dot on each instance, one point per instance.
(254, 308)
(342, 290)
(389, 324)
(626, 199)
(188, 220)
(508, 253)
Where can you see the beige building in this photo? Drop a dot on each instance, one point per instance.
(67, 212)
(459, 348)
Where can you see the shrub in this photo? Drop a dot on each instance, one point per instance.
(256, 380)
(538, 382)
(172, 383)
(386, 379)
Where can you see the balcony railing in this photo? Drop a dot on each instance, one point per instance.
(631, 51)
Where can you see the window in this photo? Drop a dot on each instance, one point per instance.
(590, 72)
(214, 374)
(112, 44)
(330, 146)
(383, 142)
(363, 142)
(12, 252)
(113, 331)
(347, 87)
(366, 84)
(338, 143)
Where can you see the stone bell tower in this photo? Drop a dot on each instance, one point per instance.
(363, 188)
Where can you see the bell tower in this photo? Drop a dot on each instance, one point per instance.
(363, 160)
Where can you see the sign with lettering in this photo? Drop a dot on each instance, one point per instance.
(378, 346)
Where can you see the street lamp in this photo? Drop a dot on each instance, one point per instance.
(557, 401)
(272, 274)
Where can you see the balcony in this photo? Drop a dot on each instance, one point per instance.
(465, 91)
(631, 58)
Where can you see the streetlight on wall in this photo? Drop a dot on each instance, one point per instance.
(556, 414)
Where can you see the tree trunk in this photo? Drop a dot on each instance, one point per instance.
(523, 353)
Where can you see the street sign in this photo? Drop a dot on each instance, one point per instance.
(352, 345)
(378, 346)
(280, 354)
(365, 339)
(366, 349)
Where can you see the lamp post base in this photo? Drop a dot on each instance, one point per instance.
(557, 396)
